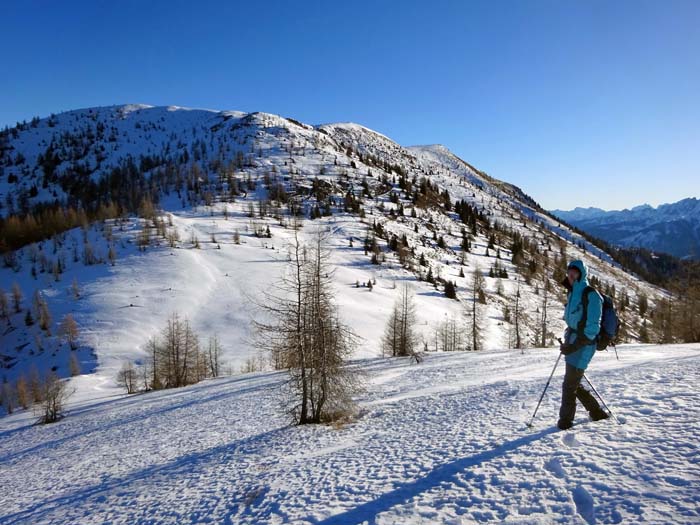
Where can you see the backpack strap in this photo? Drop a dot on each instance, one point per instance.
(584, 316)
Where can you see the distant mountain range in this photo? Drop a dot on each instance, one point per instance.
(669, 228)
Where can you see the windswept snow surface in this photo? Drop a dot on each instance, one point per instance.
(443, 442)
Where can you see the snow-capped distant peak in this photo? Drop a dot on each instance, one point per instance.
(672, 228)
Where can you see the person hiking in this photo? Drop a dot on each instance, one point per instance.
(579, 344)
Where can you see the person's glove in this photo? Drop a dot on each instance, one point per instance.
(567, 348)
(570, 348)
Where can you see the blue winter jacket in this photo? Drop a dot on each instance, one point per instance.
(573, 313)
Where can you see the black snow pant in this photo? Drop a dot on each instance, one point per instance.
(572, 390)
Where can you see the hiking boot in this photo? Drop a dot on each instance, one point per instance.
(599, 415)
(564, 425)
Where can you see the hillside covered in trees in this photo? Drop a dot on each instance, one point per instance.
(115, 219)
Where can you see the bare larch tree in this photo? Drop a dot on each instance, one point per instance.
(305, 336)
(399, 337)
(473, 310)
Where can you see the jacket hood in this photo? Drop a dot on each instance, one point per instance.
(581, 267)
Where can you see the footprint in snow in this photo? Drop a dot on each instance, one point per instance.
(554, 466)
(584, 504)
(569, 439)
(676, 481)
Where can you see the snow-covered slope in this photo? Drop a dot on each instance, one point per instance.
(671, 228)
(191, 161)
(443, 442)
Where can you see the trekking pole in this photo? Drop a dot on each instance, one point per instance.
(614, 348)
(601, 400)
(543, 391)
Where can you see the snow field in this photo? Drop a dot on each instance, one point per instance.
(441, 442)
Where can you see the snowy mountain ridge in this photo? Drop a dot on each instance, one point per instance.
(223, 179)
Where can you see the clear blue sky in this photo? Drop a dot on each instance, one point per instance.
(581, 103)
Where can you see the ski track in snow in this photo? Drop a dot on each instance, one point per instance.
(442, 442)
